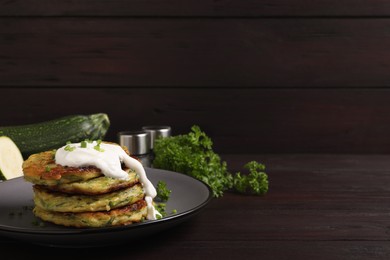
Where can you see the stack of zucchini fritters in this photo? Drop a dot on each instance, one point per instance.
(83, 197)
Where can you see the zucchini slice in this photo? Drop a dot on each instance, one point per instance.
(11, 159)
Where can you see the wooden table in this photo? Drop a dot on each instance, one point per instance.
(318, 207)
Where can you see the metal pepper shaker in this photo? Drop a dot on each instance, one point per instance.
(138, 144)
(156, 132)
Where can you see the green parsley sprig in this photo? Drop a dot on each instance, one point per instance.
(192, 154)
(256, 182)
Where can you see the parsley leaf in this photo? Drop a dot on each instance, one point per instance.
(256, 182)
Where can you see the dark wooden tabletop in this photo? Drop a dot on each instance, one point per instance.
(302, 84)
(317, 207)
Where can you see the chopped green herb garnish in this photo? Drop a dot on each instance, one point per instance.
(97, 146)
(69, 148)
(163, 192)
(160, 207)
(38, 223)
(47, 168)
(27, 207)
(83, 144)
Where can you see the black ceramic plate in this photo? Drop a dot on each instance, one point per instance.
(188, 197)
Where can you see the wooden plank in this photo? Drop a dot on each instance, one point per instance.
(186, 8)
(165, 243)
(238, 120)
(194, 52)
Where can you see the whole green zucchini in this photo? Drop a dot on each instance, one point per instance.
(48, 135)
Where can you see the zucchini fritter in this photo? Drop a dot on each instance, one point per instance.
(62, 202)
(96, 186)
(41, 169)
(133, 213)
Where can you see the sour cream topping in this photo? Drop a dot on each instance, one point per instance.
(108, 158)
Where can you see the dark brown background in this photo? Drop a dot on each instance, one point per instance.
(260, 76)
